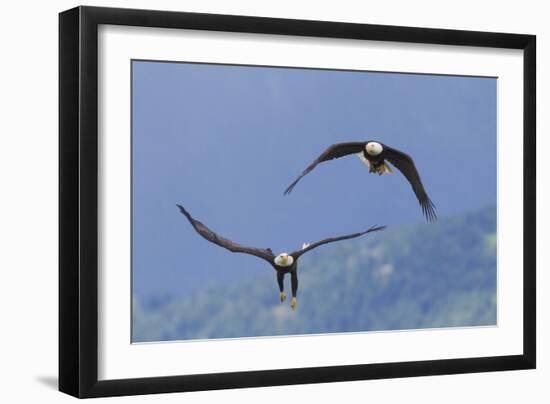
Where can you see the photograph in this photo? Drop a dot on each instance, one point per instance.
(259, 201)
(273, 201)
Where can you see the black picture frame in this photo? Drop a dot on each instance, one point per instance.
(78, 201)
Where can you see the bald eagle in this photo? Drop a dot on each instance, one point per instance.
(374, 155)
(283, 263)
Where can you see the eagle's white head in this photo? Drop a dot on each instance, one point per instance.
(373, 148)
(284, 260)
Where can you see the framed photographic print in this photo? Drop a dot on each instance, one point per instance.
(250, 201)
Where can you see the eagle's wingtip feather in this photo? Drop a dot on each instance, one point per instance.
(374, 228)
(428, 210)
(182, 210)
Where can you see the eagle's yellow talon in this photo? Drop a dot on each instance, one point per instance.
(293, 303)
(282, 296)
(381, 169)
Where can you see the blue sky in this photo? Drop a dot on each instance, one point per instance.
(225, 141)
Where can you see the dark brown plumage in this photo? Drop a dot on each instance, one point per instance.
(267, 254)
(402, 161)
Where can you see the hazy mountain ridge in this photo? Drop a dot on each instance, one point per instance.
(427, 275)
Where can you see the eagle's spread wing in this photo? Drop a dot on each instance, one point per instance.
(209, 235)
(333, 152)
(404, 163)
(311, 246)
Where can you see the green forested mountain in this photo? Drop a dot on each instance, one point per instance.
(427, 275)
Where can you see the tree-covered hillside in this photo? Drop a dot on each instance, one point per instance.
(422, 276)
